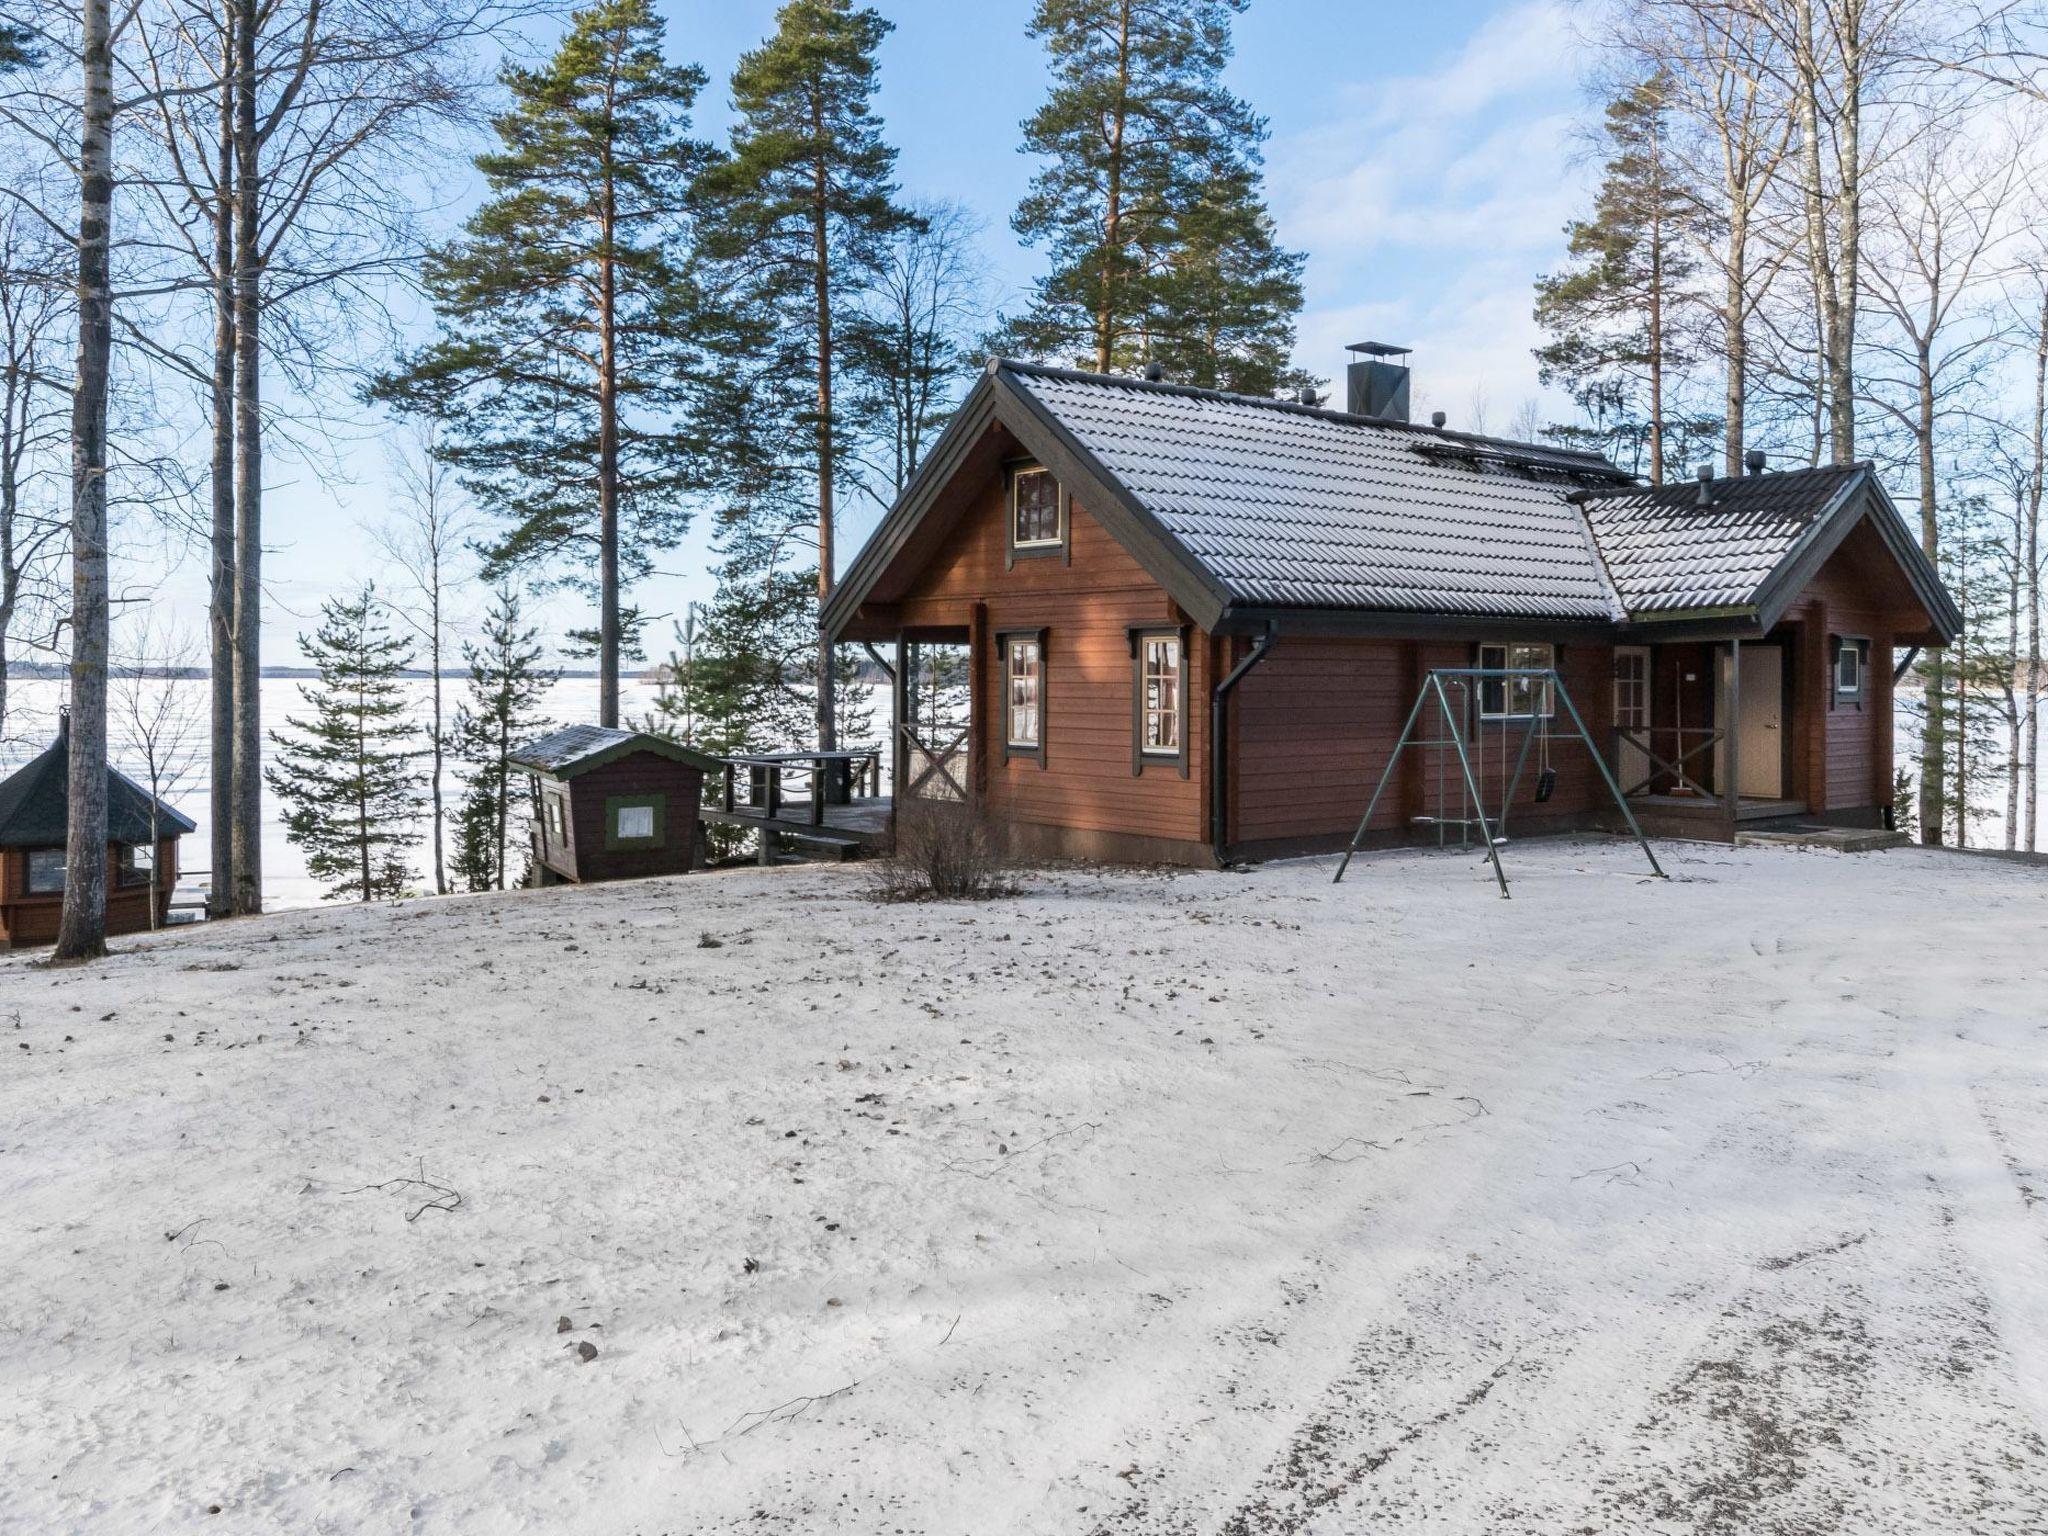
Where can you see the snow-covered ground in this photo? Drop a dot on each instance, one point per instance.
(1140, 1203)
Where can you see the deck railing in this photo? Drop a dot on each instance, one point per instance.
(1703, 739)
(826, 779)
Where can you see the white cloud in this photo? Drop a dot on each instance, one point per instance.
(1429, 203)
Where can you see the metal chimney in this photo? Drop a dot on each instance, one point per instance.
(1376, 385)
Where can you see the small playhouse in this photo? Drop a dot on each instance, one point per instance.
(612, 804)
(142, 850)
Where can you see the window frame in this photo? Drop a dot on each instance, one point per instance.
(1033, 549)
(1142, 756)
(1505, 711)
(616, 842)
(1640, 684)
(1859, 647)
(554, 817)
(129, 873)
(1006, 640)
(29, 886)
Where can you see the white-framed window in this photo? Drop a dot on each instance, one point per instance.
(635, 821)
(1034, 510)
(137, 863)
(1851, 662)
(1632, 689)
(46, 871)
(1517, 698)
(558, 822)
(1159, 696)
(1023, 715)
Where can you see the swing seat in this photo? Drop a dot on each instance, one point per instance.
(1546, 784)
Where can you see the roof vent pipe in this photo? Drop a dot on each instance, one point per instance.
(1754, 461)
(1154, 372)
(1706, 477)
(1376, 384)
(1437, 420)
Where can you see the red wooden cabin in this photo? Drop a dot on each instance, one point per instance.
(142, 850)
(611, 804)
(1135, 572)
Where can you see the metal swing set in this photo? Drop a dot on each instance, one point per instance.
(1455, 736)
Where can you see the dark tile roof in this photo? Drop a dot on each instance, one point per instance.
(575, 748)
(1666, 552)
(1287, 506)
(35, 805)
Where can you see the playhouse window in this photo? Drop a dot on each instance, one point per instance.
(1034, 510)
(138, 863)
(1512, 698)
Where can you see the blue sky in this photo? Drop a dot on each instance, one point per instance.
(1422, 156)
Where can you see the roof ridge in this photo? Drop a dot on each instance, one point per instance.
(1273, 402)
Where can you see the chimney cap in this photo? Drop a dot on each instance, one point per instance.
(1755, 461)
(1306, 395)
(1154, 372)
(1379, 349)
(1437, 420)
(1705, 473)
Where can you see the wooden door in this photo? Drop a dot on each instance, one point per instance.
(1760, 749)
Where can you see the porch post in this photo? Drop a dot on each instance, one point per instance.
(1732, 735)
(899, 713)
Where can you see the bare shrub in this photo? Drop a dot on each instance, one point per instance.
(944, 851)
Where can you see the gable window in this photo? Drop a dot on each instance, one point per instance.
(1852, 660)
(1159, 702)
(1035, 511)
(634, 821)
(1517, 698)
(46, 870)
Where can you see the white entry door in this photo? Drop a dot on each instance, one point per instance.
(1760, 764)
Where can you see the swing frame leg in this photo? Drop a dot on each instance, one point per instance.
(1614, 789)
(1515, 779)
(1478, 806)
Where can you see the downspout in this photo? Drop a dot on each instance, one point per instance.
(1219, 742)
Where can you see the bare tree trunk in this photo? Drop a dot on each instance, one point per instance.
(220, 608)
(246, 844)
(2009, 682)
(1934, 734)
(2032, 544)
(434, 657)
(821, 278)
(82, 928)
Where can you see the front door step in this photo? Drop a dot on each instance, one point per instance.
(1841, 839)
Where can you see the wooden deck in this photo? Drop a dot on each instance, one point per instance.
(865, 823)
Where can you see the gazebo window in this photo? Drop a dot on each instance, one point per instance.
(46, 871)
(138, 863)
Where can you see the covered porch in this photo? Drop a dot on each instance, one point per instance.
(1716, 734)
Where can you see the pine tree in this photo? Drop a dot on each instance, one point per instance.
(350, 775)
(16, 47)
(1228, 296)
(1151, 205)
(805, 204)
(566, 316)
(506, 686)
(1614, 316)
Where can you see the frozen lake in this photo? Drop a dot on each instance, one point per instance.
(32, 717)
